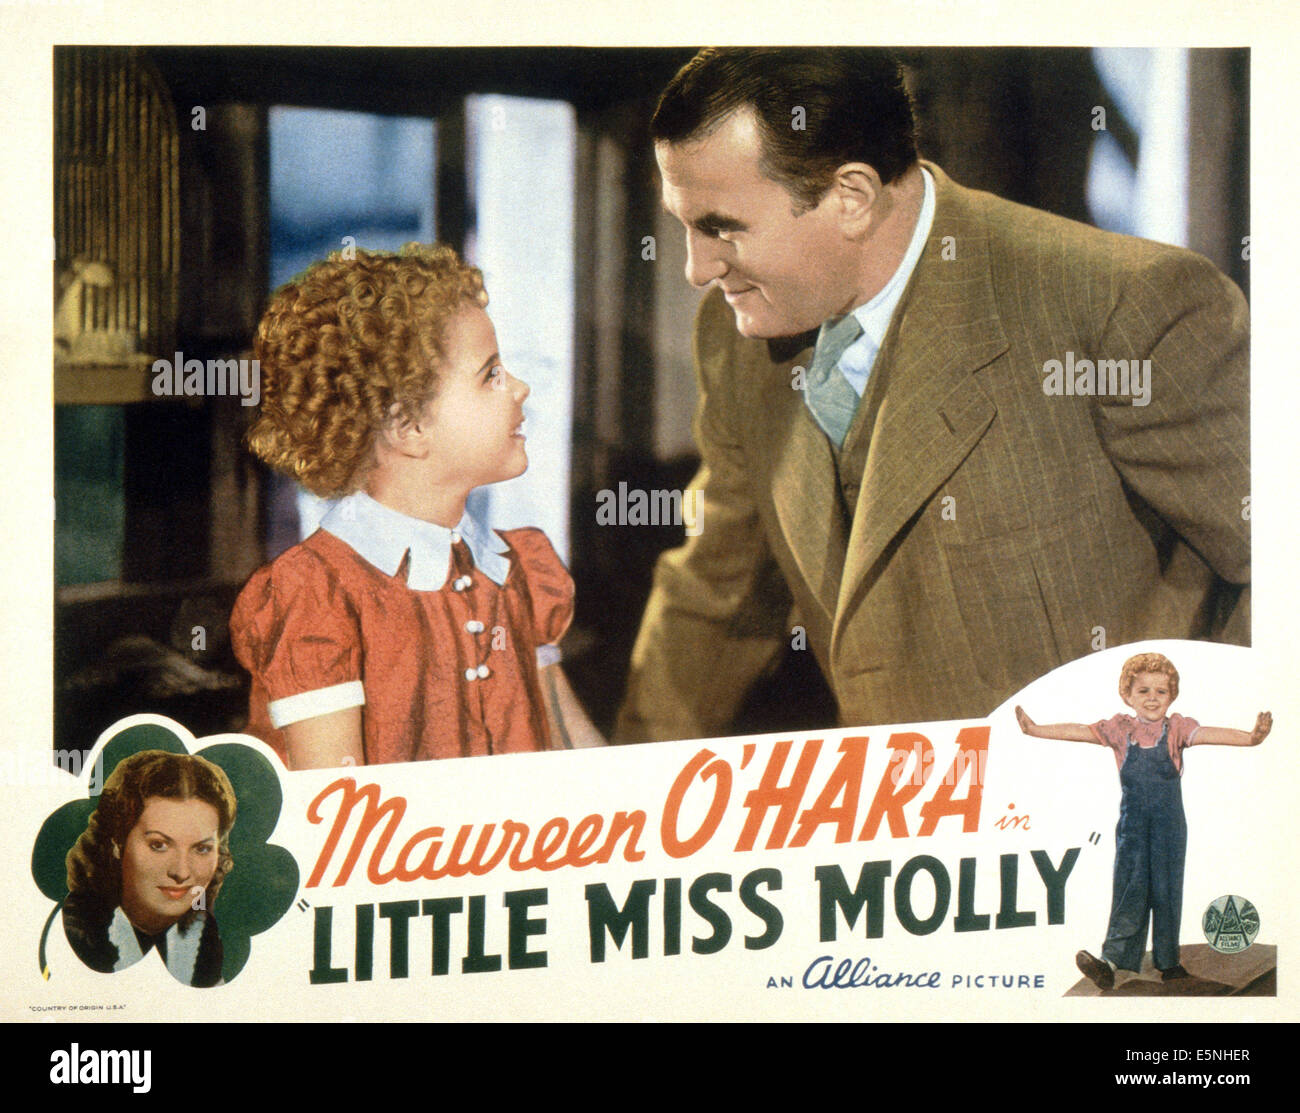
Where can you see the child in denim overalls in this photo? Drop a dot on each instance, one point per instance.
(1151, 836)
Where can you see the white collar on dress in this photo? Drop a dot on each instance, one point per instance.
(182, 945)
(384, 536)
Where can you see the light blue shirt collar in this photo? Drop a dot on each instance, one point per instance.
(384, 536)
(875, 315)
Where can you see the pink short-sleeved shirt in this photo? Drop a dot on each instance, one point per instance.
(1118, 730)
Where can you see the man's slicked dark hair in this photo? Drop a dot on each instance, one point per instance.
(855, 108)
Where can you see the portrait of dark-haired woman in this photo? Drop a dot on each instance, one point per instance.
(145, 873)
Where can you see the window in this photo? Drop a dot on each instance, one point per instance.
(340, 179)
(335, 175)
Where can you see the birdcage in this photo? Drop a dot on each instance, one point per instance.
(116, 224)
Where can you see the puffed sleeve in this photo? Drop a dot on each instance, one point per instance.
(294, 629)
(1113, 733)
(1181, 732)
(550, 587)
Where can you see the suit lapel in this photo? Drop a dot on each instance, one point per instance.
(932, 411)
(802, 470)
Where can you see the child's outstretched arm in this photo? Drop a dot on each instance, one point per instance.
(1226, 736)
(1067, 732)
(565, 715)
(326, 741)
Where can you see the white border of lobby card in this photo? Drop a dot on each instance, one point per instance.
(31, 29)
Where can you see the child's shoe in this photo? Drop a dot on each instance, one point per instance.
(1095, 970)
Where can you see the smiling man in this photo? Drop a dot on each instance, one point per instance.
(886, 477)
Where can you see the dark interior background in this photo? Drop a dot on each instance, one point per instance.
(1007, 120)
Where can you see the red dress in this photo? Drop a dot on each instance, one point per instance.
(450, 672)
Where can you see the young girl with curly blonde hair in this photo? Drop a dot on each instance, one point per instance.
(403, 629)
(1151, 836)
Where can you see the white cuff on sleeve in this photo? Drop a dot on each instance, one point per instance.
(548, 655)
(307, 705)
